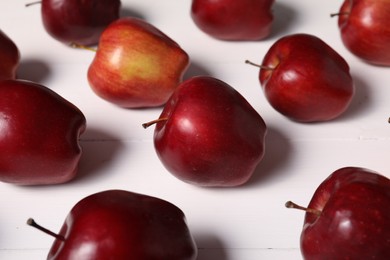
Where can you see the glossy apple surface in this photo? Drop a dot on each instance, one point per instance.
(118, 224)
(365, 29)
(9, 56)
(304, 79)
(354, 220)
(78, 21)
(136, 65)
(233, 20)
(39, 134)
(211, 136)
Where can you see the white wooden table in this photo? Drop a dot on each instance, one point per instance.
(243, 223)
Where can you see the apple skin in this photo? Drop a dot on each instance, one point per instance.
(354, 221)
(39, 135)
(364, 28)
(9, 56)
(243, 20)
(136, 65)
(304, 79)
(212, 136)
(119, 224)
(76, 21)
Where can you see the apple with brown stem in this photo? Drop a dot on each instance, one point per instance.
(365, 29)
(305, 79)
(209, 135)
(118, 224)
(348, 217)
(82, 22)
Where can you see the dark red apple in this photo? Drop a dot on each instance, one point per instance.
(9, 57)
(78, 21)
(364, 28)
(209, 135)
(118, 224)
(233, 20)
(136, 65)
(348, 217)
(306, 80)
(39, 134)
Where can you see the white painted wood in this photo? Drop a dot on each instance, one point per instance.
(244, 223)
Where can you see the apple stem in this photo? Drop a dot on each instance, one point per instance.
(162, 119)
(32, 3)
(79, 46)
(258, 65)
(338, 14)
(292, 205)
(31, 222)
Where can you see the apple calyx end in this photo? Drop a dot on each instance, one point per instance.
(292, 205)
(32, 3)
(147, 124)
(258, 65)
(31, 222)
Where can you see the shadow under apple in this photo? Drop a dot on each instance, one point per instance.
(360, 101)
(99, 151)
(284, 18)
(127, 12)
(276, 157)
(195, 69)
(33, 70)
(210, 247)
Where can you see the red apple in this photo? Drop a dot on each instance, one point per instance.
(348, 217)
(209, 135)
(118, 224)
(364, 28)
(306, 80)
(9, 56)
(233, 20)
(39, 134)
(76, 21)
(136, 65)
